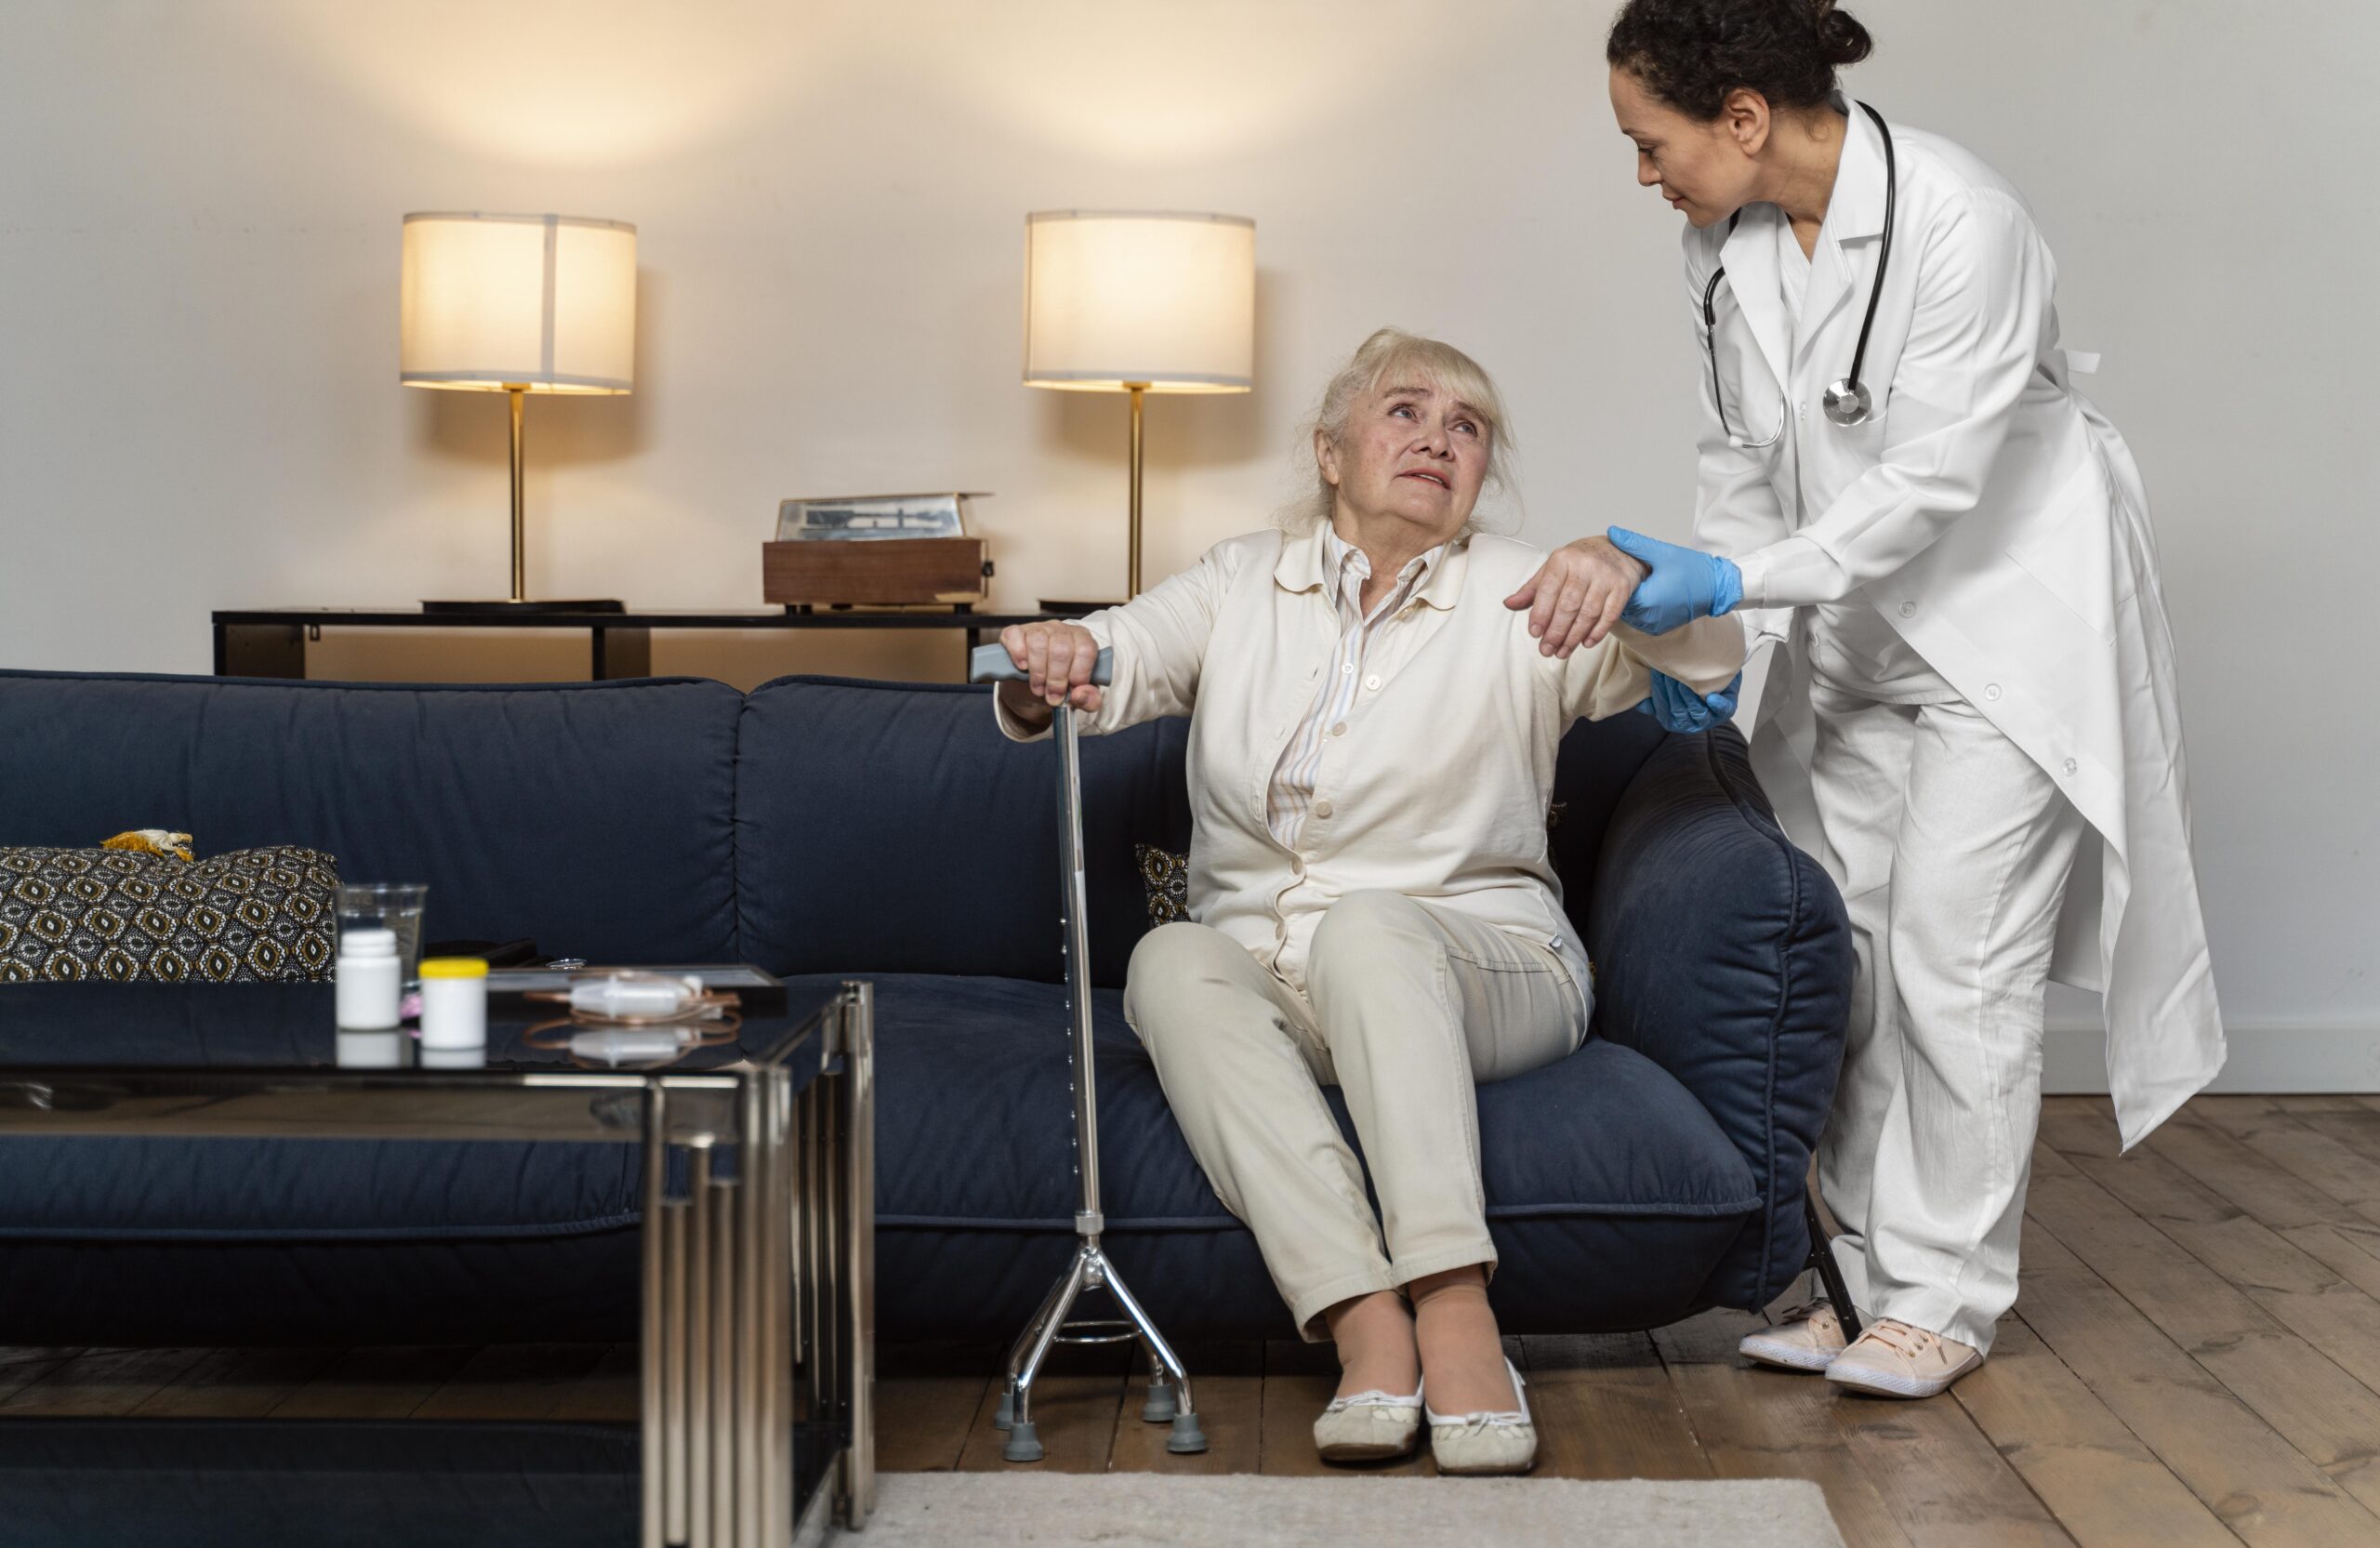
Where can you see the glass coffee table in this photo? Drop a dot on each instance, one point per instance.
(758, 1323)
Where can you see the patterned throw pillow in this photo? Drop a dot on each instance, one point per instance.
(1167, 877)
(249, 916)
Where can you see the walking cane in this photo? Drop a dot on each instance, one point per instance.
(1169, 1391)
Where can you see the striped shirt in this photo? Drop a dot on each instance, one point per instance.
(1290, 795)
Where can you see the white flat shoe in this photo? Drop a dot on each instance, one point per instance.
(1807, 1338)
(1483, 1442)
(1370, 1426)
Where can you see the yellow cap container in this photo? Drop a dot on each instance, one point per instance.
(454, 1002)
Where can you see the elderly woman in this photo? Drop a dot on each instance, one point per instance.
(1372, 742)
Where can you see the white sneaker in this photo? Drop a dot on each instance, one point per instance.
(1894, 1359)
(1483, 1442)
(1807, 1338)
(1368, 1426)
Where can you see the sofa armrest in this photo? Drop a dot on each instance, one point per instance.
(1722, 954)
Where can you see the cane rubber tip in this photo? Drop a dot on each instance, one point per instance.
(1006, 1417)
(1187, 1438)
(1025, 1443)
(1161, 1406)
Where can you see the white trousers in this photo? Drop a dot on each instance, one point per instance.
(1952, 851)
(1405, 1006)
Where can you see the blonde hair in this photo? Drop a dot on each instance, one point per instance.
(1442, 365)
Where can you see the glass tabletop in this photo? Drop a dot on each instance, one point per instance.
(291, 1027)
(267, 1059)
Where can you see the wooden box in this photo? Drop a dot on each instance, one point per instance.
(877, 572)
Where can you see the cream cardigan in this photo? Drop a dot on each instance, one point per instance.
(1436, 787)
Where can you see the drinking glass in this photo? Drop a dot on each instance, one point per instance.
(392, 905)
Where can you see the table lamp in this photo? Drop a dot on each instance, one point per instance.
(518, 304)
(1139, 302)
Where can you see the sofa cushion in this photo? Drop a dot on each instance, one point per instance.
(889, 827)
(1611, 1192)
(596, 817)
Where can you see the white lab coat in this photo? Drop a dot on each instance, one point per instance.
(1994, 518)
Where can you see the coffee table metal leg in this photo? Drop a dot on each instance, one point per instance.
(816, 1220)
(674, 1331)
(775, 1315)
(753, 1164)
(653, 1350)
(859, 1223)
(726, 1352)
(698, 1338)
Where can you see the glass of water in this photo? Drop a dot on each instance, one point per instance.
(391, 906)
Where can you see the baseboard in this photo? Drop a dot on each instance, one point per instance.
(2269, 1061)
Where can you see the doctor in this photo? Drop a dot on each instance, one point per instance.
(1970, 713)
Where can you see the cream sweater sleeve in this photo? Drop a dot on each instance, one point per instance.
(1614, 677)
(1160, 638)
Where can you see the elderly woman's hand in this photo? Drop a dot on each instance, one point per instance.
(1577, 594)
(1057, 660)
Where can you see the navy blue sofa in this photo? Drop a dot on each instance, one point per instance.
(827, 828)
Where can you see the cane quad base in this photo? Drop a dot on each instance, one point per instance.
(1169, 1400)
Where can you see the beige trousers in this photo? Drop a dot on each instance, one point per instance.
(1405, 1007)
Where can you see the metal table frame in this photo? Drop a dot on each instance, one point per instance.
(759, 1256)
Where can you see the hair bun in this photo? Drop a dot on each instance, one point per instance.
(1841, 38)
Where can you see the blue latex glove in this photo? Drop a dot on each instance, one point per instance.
(1686, 584)
(1681, 710)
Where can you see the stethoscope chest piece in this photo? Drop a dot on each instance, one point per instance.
(1848, 404)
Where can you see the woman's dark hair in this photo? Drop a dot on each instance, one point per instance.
(1691, 53)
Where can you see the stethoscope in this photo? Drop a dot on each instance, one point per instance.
(1848, 402)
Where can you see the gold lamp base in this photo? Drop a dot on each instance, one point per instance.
(525, 604)
(1132, 551)
(519, 601)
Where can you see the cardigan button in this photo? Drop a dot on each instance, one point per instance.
(1322, 809)
(1991, 691)
(1908, 610)
(2073, 766)
(1339, 730)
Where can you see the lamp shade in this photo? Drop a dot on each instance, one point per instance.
(542, 301)
(1122, 298)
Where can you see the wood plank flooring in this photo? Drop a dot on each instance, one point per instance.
(2194, 1362)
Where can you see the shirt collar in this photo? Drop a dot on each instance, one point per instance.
(1856, 207)
(1310, 561)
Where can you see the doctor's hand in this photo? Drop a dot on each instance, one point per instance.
(1576, 595)
(1057, 660)
(1686, 584)
(1681, 710)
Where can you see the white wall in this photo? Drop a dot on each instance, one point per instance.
(199, 208)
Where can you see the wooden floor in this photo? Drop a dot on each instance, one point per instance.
(2195, 1359)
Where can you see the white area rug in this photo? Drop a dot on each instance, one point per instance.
(1057, 1510)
